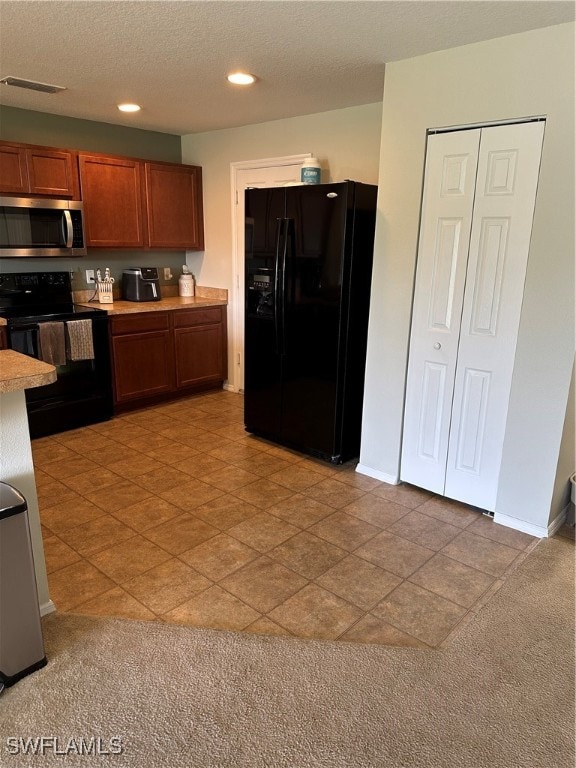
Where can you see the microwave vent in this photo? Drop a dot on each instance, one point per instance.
(32, 85)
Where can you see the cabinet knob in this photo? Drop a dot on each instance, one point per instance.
(437, 345)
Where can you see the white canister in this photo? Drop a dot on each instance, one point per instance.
(186, 285)
(310, 171)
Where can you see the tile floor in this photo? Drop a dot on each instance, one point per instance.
(174, 513)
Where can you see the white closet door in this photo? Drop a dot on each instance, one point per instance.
(447, 205)
(508, 168)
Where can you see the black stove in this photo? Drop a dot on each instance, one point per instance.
(82, 393)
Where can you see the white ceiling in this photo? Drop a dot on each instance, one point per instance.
(172, 56)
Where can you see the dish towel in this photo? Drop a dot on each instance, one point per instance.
(79, 345)
(51, 346)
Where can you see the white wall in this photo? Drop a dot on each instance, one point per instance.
(346, 141)
(517, 76)
(18, 470)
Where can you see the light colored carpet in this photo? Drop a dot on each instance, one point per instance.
(500, 696)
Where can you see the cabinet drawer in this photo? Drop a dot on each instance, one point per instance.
(151, 321)
(193, 317)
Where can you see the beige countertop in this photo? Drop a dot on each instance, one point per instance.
(22, 372)
(171, 303)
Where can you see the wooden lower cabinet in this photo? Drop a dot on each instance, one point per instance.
(3, 338)
(160, 355)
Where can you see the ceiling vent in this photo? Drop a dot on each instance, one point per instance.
(32, 85)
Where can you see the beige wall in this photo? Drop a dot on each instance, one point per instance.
(346, 141)
(517, 76)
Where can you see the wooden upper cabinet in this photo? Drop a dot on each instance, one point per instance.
(174, 206)
(38, 171)
(113, 204)
(13, 169)
(53, 172)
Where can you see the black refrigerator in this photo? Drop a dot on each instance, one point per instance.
(308, 256)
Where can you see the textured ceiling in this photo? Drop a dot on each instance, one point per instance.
(172, 56)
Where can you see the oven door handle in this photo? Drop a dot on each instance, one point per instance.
(67, 229)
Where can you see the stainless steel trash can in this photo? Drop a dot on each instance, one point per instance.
(21, 642)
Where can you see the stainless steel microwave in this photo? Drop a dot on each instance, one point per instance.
(41, 227)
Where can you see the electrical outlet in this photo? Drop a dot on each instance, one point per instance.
(167, 273)
(90, 276)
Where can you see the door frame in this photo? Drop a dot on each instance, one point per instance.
(235, 384)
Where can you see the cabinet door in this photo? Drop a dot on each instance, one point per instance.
(143, 365)
(200, 346)
(53, 172)
(13, 172)
(112, 196)
(174, 206)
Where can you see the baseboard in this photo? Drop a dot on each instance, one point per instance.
(540, 531)
(47, 608)
(362, 469)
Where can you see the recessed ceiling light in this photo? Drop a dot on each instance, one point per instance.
(241, 78)
(129, 107)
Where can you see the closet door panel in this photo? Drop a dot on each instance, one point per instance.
(508, 168)
(446, 218)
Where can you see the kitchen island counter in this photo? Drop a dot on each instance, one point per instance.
(19, 371)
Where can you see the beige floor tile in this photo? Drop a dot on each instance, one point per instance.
(53, 492)
(48, 453)
(372, 509)
(344, 530)
(485, 526)
(149, 420)
(266, 626)
(212, 422)
(129, 558)
(173, 453)
(58, 554)
(132, 468)
(147, 513)
(263, 493)
(300, 510)
(96, 535)
(84, 441)
(113, 453)
(420, 613)
(77, 465)
(93, 481)
(479, 552)
(359, 582)
(191, 495)
(77, 583)
(357, 480)
(166, 586)
(148, 442)
(118, 496)
(219, 556)
(234, 431)
(263, 584)
(315, 613)
(263, 532)
(225, 511)
(69, 513)
(373, 630)
(279, 452)
(119, 429)
(162, 478)
(408, 495)
(318, 465)
(307, 554)
(334, 493)
(42, 478)
(180, 533)
(115, 602)
(449, 511)
(399, 556)
(424, 530)
(214, 608)
(200, 465)
(229, 478)
(453, 580)
(296, 478)
(262, 464)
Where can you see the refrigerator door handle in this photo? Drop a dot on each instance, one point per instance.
(288, 239)
(280, 241)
